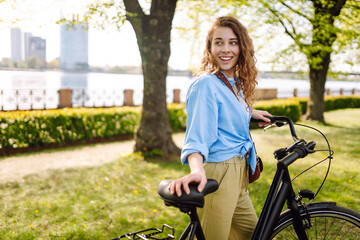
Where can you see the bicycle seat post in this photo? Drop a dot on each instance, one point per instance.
(188, 204)
(194, 227)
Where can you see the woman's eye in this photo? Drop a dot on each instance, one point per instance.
(218, 43)
(234, 43)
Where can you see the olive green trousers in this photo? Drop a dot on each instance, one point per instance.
(228, 213)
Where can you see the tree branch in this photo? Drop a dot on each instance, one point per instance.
(338, 6)
(292, 33)
(295, 11)
(276, 14)
(134, 14)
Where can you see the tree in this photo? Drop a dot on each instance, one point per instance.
(317, 28)
(152, 29)
(153, 38)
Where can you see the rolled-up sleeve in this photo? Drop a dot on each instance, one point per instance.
(202, 120)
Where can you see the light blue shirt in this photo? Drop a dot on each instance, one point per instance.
(217, 123)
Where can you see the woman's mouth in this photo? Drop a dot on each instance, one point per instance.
(225, 58)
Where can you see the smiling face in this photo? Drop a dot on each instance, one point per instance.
(225, 50)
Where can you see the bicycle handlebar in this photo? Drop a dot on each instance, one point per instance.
(279, 121)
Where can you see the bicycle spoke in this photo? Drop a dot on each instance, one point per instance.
(325, 226)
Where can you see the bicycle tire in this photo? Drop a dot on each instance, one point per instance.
(328, 222)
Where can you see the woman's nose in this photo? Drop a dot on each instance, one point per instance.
(226, 48)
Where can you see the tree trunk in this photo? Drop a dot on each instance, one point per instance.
(316, 104)
(318, 54)
(153, 37)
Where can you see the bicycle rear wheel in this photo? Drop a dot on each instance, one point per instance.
(327, 221)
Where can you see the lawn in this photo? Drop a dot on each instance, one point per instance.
(119, 197)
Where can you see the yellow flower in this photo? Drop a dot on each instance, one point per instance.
(142, 220)
(136, 191)
(31, 226)
(36, 211)
(85, 225)
(154, 210)
(118, 213)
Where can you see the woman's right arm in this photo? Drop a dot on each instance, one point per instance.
(201, 133)
(197, 174)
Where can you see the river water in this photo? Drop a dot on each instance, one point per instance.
(54, 80)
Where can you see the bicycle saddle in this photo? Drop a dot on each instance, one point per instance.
(194, 199)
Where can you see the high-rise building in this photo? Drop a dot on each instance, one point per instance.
(38, 48)
(27, 37)
(34, 46)
(16, 46)
(74, 48)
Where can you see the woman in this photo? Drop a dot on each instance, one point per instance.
(217, 141)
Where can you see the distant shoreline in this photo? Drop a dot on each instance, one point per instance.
(352, 77)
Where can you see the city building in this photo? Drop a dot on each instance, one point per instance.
(16, 45)
(34, 46)
(38, 48)
(74, 48)
(27, 37)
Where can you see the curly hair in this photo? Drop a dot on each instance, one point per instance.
(245, 71)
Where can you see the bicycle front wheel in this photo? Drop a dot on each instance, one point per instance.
(322, 221)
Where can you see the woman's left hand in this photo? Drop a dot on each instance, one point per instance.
(261, 115)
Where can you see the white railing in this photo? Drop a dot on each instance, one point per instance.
(30, 99)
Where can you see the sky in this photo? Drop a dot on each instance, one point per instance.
(109, 47)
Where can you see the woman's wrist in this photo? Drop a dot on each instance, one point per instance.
(196, 163)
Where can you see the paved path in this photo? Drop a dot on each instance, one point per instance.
(16, 167)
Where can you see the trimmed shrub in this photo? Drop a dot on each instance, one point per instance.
(177, 116)
(22, 129)
(281, 107)
(333, 102)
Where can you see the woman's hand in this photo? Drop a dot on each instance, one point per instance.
(261, 115)
(197, 175)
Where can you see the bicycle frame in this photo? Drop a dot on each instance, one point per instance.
(280, 191)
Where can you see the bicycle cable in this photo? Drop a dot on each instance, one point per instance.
(331, 153)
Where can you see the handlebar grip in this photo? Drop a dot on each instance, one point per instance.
(272, 119)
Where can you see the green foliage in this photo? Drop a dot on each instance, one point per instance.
(316, 28)
(333, 102)
(23, 129)
(156, 152)
(177, 116)
(281, 107)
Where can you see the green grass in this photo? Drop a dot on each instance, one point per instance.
(119, 197)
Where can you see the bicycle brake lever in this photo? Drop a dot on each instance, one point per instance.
(276, 123)
(269, 126)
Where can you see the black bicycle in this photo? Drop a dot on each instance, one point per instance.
(320, 220)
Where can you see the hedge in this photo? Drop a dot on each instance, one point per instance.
(44, 128)
(281, 107)
(332, 102)
(24, 129)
